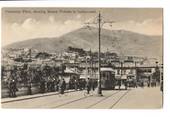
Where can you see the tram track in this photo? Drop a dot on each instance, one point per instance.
(102, 100)
(82, 98)
(118, 95)
(117, 101)
(72, 101)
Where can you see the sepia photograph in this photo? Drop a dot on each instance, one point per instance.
(81, 58)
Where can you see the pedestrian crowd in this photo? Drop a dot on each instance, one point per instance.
(48, 79)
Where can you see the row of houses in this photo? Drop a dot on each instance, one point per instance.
(84, 62)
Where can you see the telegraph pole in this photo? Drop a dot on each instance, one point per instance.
(100, 23)
(99, 92)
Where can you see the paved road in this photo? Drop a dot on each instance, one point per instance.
(132, 98)
(142, 98)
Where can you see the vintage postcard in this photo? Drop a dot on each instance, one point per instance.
(82, 58)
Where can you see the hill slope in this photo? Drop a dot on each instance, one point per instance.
(119, 41)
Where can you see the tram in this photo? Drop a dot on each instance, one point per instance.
(107, 78)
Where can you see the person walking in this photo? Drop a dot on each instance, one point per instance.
(57, 84)
(119, 83)
(12, 84)
(29, 88)
(10, 87)
(62, 86)
(29, 79)
(14, 88)
(42, 86)
(88, 85)
(52, 85)
(93, 85)
(49, 84)
(76, 84)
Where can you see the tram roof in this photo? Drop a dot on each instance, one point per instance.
(106, 69)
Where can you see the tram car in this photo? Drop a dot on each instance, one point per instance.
(107, 78)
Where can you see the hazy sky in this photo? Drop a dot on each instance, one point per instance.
(27, 23)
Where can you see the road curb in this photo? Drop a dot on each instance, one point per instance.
(27, 98)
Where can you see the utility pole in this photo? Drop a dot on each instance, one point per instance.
(136, 69)
(91, 64)
(99, 23)
(99, 92)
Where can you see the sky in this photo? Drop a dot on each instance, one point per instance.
(20, 24)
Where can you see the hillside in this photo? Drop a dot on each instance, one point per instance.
(119, 41)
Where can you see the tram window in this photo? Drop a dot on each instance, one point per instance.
(107, 75)
(124, 71)
(103, 75)
(131, 71)
(118, 71)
